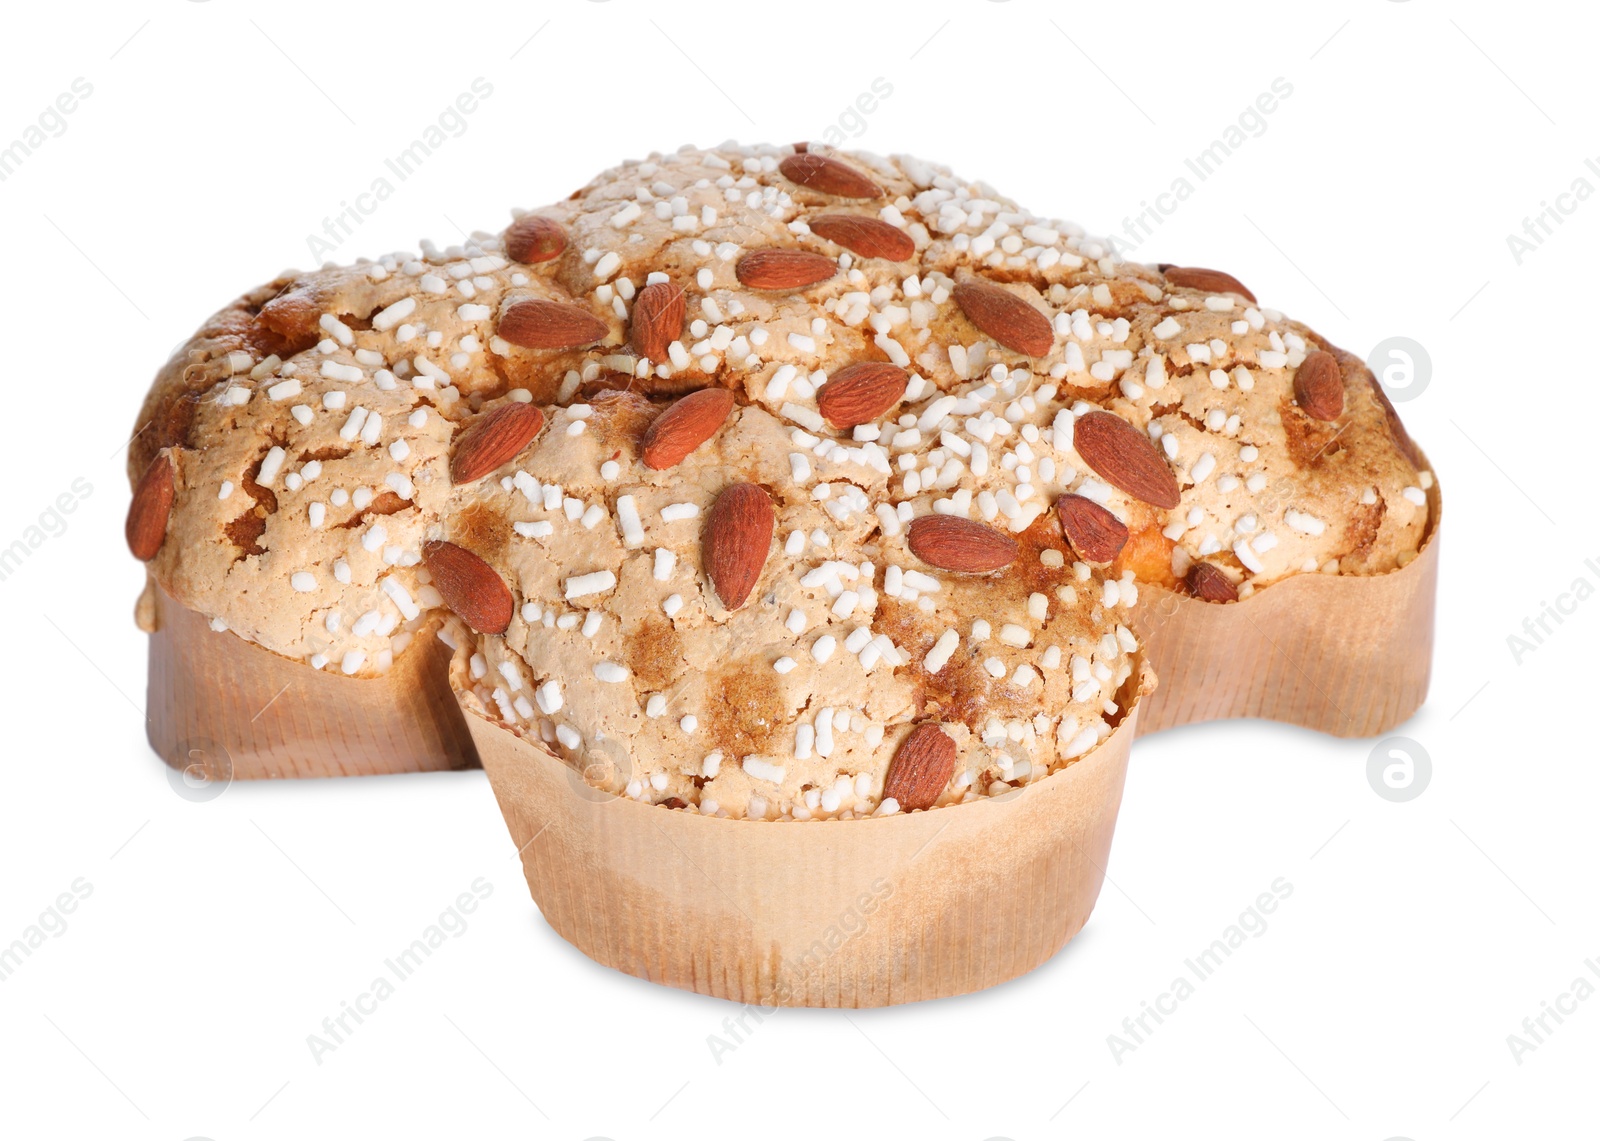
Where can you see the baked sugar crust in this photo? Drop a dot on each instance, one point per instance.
(312, 425)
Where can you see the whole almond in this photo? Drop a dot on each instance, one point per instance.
(1205, 280)
(540, 324)
(1211, 582)
(657, 319)
(1007, 318)
(1318, 386)
(784, 269)
(532, 239)
(952, 543)
(1096, 534)
(860, 393)
(736, 541)
(682, 428)
(921, 768)
(152, 504)
(469, 586)
(865, 236)
(1124, 457)
(828, 176)
(493, 439)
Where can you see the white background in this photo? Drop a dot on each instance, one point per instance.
(1377, 203)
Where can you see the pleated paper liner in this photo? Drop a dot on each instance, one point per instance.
(229, 710)
(1346, 655)
(840, 913)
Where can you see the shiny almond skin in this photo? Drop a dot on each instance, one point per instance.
(540, 324)
(952, 543)
(492, 439)
(1097, 535)
(469, 586)
(1125, 458)
(861, 393)
(690, 422)
(146, 526)
(1007, 318)
(864, 236)
(736, 541)
(921, 768)
(1210, 582)
(1319, 387)
(828, 176)
(532, 239)
(1205, 280)
(784, 269)
(657, 319)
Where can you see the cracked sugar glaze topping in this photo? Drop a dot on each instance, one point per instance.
(760, 481)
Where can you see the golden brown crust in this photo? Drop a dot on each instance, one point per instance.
(312, 424)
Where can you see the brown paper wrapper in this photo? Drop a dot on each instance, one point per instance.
(228, 709)
(1344, 654)
(849, 913)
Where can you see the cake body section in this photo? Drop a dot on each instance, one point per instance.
(833, 913)
(220, 709)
